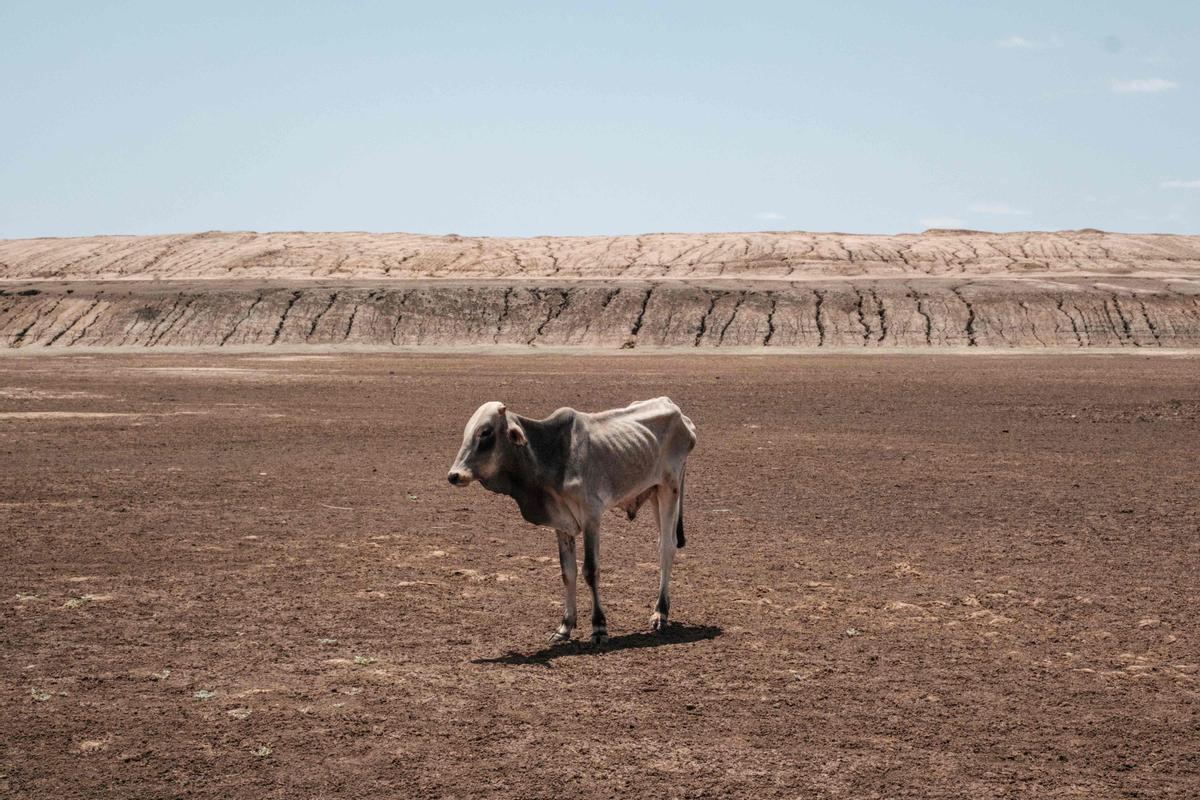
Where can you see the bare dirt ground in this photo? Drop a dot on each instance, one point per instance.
(935, 576)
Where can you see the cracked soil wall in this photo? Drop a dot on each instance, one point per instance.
(938, 289)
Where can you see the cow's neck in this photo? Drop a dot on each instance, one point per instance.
(535, 471)
(544, 458)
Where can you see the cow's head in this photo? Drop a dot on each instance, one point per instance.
(487, 439)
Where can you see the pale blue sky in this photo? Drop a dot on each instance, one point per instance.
(607, 117)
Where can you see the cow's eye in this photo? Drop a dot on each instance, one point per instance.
(485, 433)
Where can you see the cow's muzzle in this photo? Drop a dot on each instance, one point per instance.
(458, 478)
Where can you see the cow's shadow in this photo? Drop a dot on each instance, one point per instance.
(675, 633)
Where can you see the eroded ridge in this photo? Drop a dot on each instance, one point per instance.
(867, 314)
(740, 256)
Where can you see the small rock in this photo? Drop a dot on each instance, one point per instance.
(897, 605)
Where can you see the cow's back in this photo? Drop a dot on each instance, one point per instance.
(660, 416)
(635, 447)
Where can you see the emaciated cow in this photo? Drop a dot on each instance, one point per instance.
(566, 470)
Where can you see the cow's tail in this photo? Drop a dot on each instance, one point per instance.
(680, 541)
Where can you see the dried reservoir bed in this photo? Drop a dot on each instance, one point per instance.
(242, 576)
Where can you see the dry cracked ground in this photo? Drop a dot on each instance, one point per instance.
(907, 576)
(1070, 289)
(232, 566)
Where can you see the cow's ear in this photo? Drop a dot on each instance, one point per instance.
(517, 435)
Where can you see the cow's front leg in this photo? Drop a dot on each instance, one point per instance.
(591, 573)
(570, 573)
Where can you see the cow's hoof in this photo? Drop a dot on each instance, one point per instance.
(599, 638)
(658, 623)
(560, 636)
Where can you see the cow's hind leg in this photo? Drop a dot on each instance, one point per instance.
(668, 501)
(591, 573)
(570, 573)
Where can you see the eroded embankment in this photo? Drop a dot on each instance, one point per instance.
(804, 290)
(659, 256)
(841, 314)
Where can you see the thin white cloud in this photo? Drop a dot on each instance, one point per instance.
(942, 222)
(1001, 209)
(1016, 42)
(1180, 184)
(1143, 86)
(770, 216)
(1021, 43)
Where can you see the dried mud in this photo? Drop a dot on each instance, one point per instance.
(802, 291)
(245, 576)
